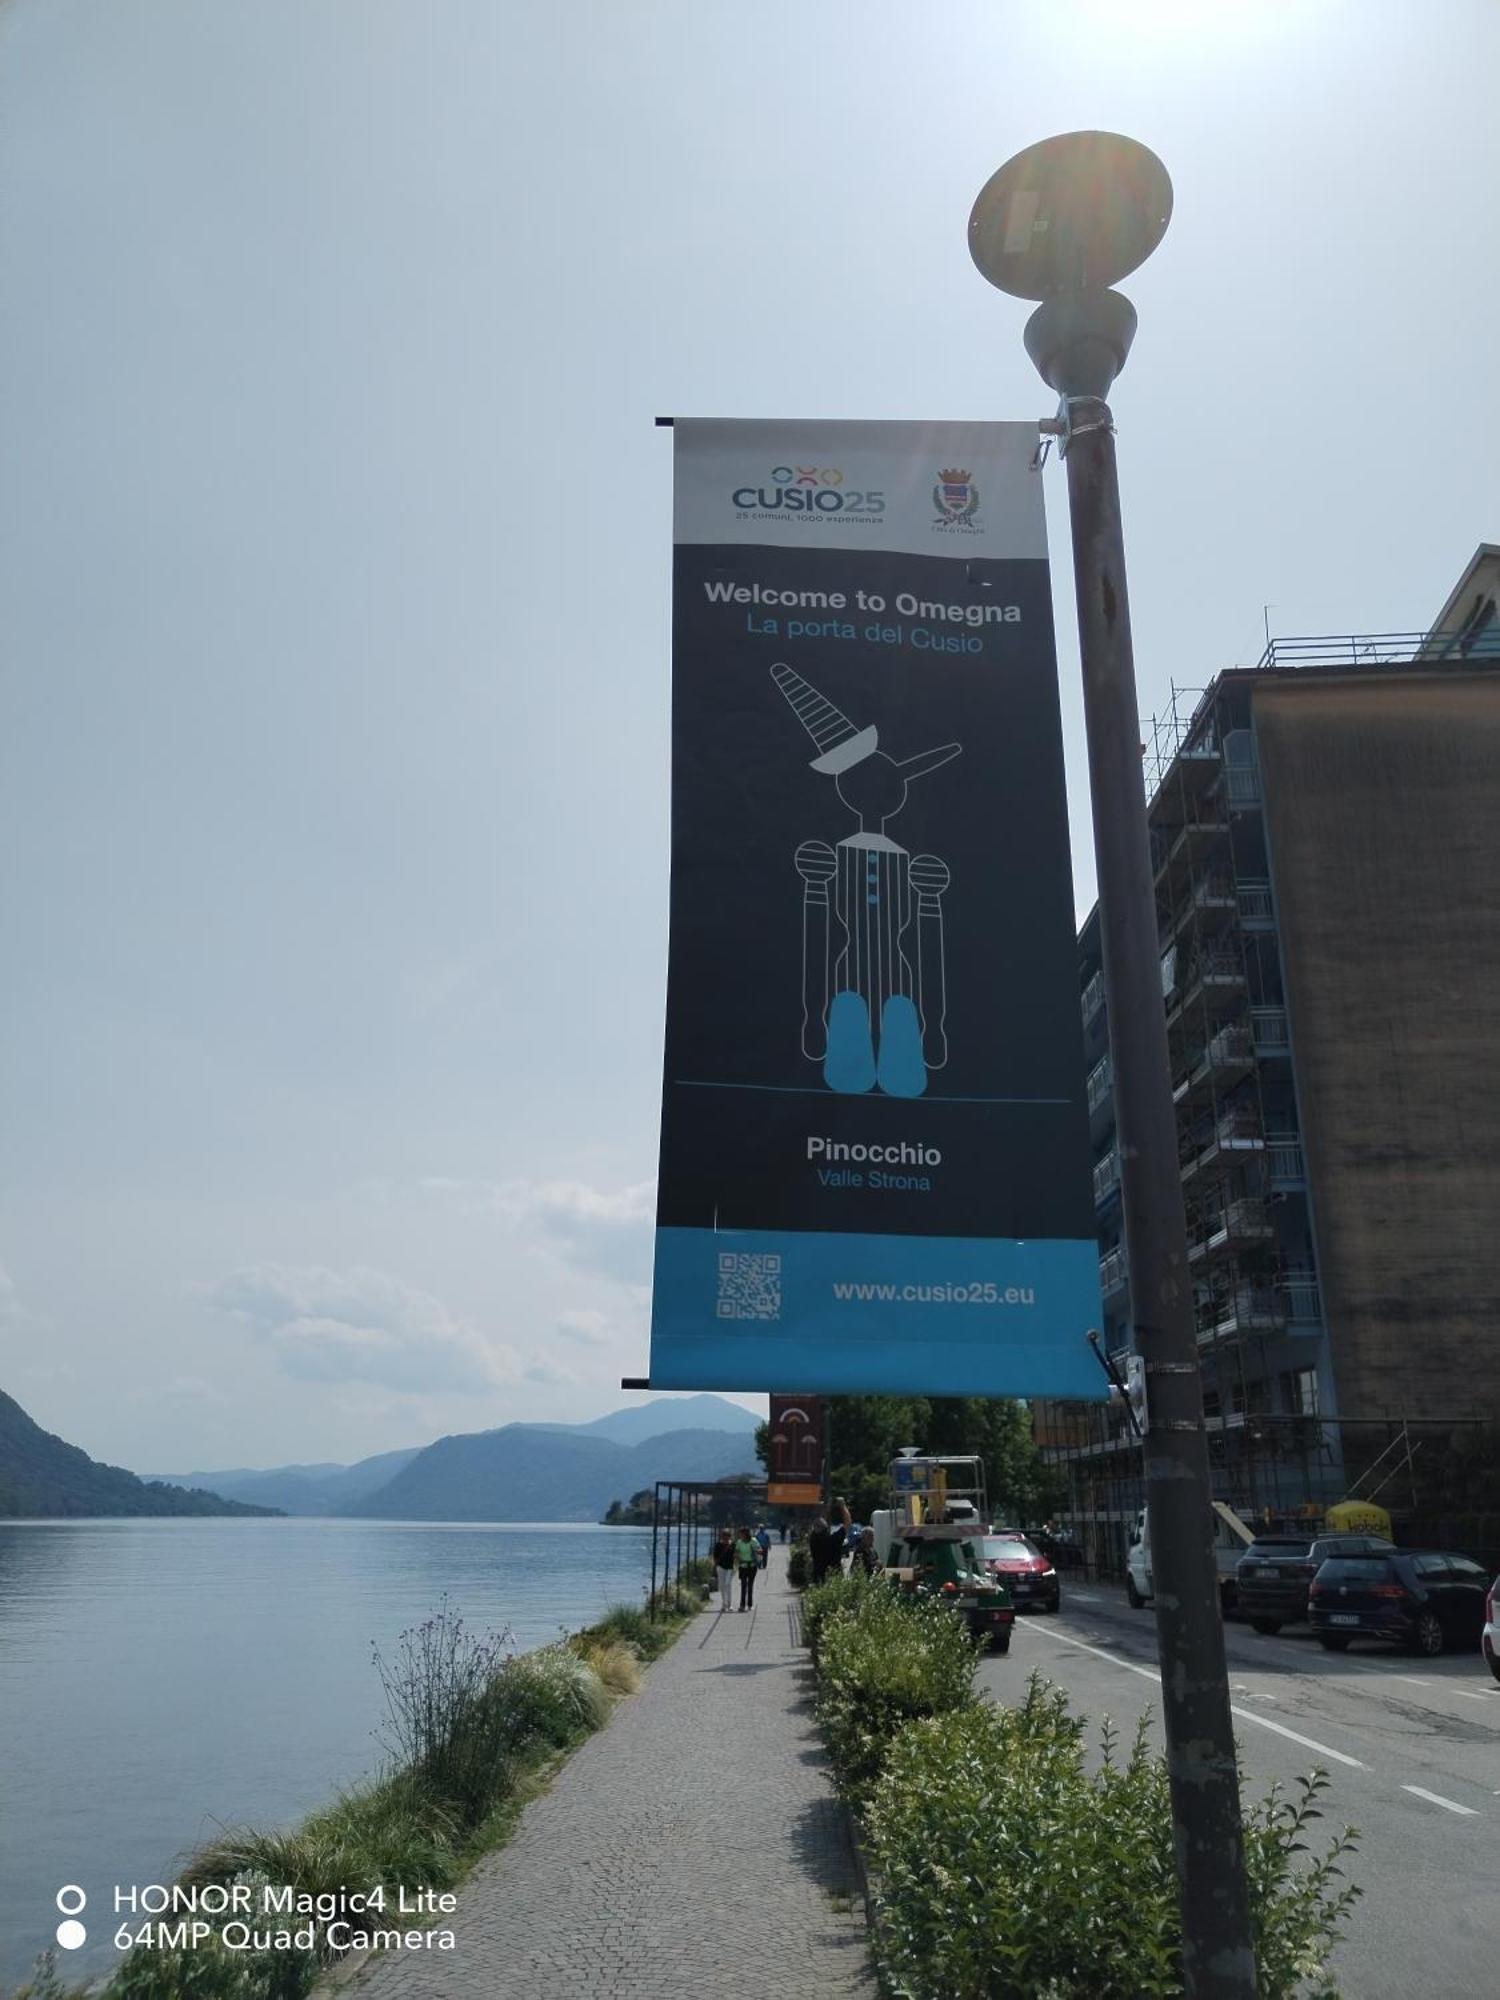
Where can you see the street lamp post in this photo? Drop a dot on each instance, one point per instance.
(1060, 223)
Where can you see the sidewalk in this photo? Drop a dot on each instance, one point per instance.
(693, 1847)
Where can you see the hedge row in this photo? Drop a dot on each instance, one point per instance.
(1002, 1866)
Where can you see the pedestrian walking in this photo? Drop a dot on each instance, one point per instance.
(781, 1530)
(763, 1543)
(746, 1551)
(723, 1557)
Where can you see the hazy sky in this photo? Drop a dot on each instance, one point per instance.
(334, 558)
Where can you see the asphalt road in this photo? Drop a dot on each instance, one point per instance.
(1412, 1748)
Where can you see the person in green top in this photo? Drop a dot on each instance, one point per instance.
(746, 1559)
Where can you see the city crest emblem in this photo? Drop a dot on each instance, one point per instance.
(955, 496)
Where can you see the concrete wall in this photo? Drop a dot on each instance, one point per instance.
(1382, 799)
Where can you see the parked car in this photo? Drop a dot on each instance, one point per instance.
(1489, 1638)
(1063, 1550)
(1272, 1577)
(1424, 1599)
(1017, 1562)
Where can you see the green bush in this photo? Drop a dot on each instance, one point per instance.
(799, 1566)
(1005, 1871)
(822, 1600)
(884, 1661)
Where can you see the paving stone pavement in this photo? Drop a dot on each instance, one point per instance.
(693, 1847)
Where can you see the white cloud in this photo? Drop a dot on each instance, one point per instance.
(586, 1328)
(11, 1310)
(362, 1325)
(608, 1234)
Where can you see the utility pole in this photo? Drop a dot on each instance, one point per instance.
(1060, 223)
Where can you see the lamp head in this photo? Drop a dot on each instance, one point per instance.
(1072, 213)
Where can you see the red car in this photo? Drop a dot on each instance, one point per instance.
(1020, 1564)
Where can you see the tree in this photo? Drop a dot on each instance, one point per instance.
(866, 1432)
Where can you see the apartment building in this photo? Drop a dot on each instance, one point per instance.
(1325, 832)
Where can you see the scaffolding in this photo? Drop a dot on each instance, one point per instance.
(1279, 1473)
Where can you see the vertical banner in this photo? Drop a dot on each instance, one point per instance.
(798, 1437)
(874, 1153)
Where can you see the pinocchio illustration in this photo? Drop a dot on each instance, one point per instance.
(874, 985)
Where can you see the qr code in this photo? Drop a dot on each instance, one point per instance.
(749, 1285)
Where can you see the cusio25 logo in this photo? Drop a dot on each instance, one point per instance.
(806, 489)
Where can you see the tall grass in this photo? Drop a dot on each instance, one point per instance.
(470, 1730)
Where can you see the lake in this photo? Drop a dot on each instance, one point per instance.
(160, 1680)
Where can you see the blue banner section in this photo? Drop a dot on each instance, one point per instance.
(911, 1315)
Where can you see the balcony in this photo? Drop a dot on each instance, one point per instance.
(1175, 768)
(1269, 1027)
(1173, 844)
(1257, 912)
(1100, 1085)
(1093, 997)
(1241, 786)
(1225, 1230)
(1114, 1272)
(1228, 1052)
(1212, 980)
(1246, 1309)
(1211, 905)
(1215, 1150)
(1106, 1178)
(1284, 1161)
(1302, 1302)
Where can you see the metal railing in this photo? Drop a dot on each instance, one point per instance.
(1106, 1176)
(1248, 1308)
(1352, 649)
(1093, 997)
(1114, 1271)
(1284, 1159)
(1242, 785)
(1302, 1300)
(1211, 965)
(1255, 902)
(1100, 1084)
(1268, 1025)
(1241, 1220)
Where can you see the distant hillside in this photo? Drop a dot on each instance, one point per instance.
(41, 1475)
(525, 1473)
(335, 1489)
(666, 1414)
(301, 1489)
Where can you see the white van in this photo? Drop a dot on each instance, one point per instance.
(1231, 1539)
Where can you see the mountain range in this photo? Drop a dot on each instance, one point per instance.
(520, 1472)
(44, 1477)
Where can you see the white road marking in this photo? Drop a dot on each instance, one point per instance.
(1472, 1694)
(1084, 1596)
(1436, 1799)
(1245, 1714)
(1411, 1680)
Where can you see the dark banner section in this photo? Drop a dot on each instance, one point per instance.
(863, 1028)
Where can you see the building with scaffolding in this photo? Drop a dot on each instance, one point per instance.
(1325, 832)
